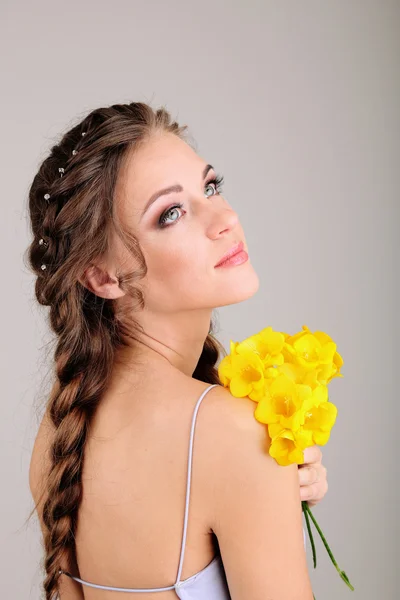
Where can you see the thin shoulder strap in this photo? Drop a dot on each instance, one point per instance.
(189, 476)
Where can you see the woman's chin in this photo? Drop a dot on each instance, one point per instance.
(240, 287)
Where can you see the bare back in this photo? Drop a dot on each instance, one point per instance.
(134, 483)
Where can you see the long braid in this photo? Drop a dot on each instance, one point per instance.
(90, 342)
(72, 218)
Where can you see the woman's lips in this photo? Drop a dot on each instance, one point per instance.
(236, 248)
(236, 259)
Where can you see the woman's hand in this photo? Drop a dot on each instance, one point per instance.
(312, 476)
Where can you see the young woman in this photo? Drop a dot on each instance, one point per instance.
(130, 228)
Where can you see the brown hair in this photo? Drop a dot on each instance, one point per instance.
(71, 229)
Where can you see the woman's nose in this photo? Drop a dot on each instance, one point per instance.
(222, 218)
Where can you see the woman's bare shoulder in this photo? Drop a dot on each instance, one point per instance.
(227, 434)
(254, 504)
(227, 416)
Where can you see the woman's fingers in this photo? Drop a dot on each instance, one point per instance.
(314, 493)
(313, 476)
(313, 483)
(308, 475)
(312, 454)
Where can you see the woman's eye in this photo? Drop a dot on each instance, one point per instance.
(163, 218)
(210, 185)
(217, 183)
(216, 186)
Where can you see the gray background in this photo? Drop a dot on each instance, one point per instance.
(297, 104)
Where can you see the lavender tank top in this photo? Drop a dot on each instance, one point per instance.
(208, 584)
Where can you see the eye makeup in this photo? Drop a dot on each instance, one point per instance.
(217, 181)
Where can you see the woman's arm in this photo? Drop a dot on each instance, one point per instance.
(257, 514)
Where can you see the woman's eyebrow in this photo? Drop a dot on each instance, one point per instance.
(170, 190)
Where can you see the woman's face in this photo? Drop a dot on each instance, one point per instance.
(184, 233)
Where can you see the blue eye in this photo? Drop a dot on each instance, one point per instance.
(217, 182)
(163, 217)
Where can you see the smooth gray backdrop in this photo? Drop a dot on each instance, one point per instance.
(297, 104)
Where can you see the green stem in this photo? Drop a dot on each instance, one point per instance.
(341, 573)
(310, 535)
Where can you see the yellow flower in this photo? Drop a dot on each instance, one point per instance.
(267, 344)
(286, 445)
(308, 351)
(318, 422)
(283, 403)
(287, 376)
(294, 372)
(271, 373)
(242, 372)
(299, 374)
(316, 353)
(328, 372)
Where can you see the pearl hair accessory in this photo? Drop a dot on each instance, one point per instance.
(47, 197)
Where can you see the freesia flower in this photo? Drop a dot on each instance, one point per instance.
(286, 445)
(242, 372)
(319, 420)
(283, 403)
(316, 353)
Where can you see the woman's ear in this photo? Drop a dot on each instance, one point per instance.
(101, 283)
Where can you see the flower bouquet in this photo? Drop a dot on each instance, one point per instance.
(288, 376)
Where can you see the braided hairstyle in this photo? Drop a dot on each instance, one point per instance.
(72, 218)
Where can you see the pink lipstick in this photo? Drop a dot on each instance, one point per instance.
(235, 256)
